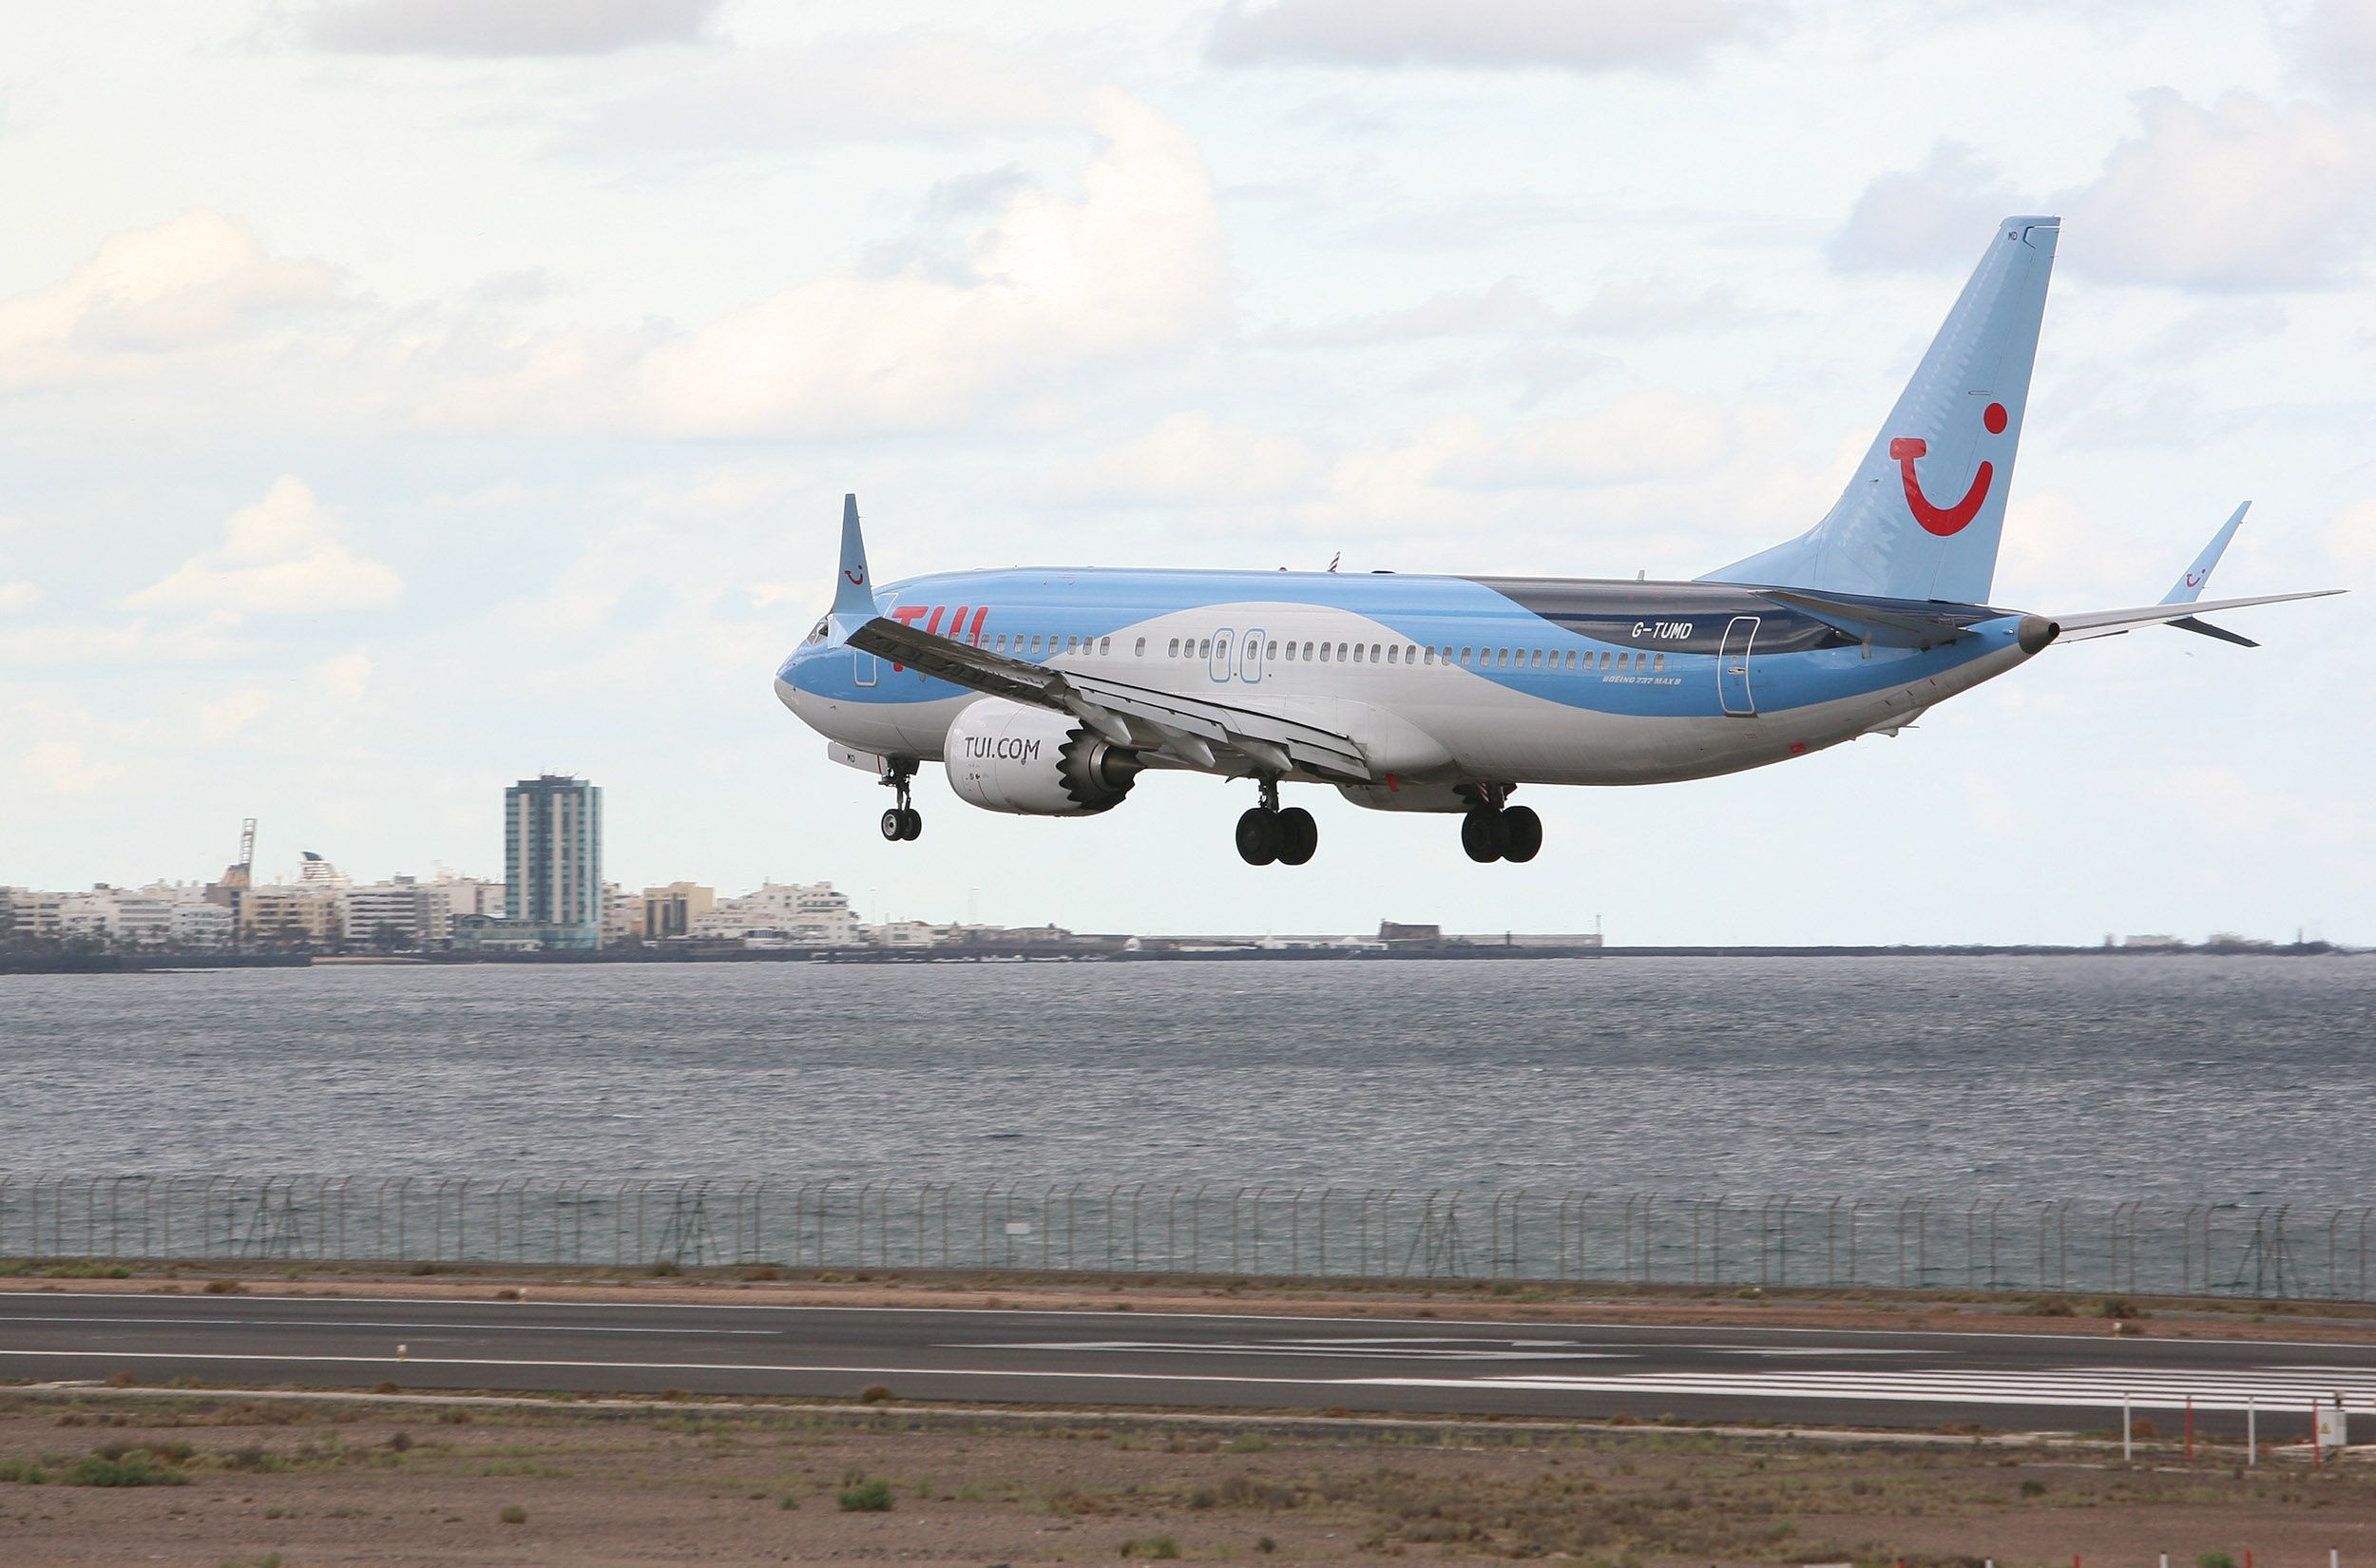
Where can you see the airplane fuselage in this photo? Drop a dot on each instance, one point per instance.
(1440, 681)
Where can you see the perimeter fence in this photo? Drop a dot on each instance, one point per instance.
(1523, 1235)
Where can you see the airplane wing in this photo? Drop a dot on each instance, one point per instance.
(1197, 731)
(2079, 629)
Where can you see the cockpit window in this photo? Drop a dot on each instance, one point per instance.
(815, 635)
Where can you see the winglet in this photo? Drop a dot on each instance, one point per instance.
(2189, 588)
(853, 589)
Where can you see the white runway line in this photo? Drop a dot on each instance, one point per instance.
(374, 1323)
(2270, 1389)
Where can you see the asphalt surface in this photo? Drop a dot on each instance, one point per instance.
(1575, 1370)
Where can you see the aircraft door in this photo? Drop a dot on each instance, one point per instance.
(1733, 666)
(1219, 666)
(1249, 658)
(864, 667)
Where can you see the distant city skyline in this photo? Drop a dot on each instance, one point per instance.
(435, 398)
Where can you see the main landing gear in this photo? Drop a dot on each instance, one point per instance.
(902, 821)
(1266, 834)
(1493, 831)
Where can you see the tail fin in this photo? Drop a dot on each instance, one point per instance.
(853, 590)
(1921, 518)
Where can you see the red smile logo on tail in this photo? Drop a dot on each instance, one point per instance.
(1945, 521)
(857, 578)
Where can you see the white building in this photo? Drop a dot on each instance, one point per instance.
(202, 924)
(810, 914)
(410, 912)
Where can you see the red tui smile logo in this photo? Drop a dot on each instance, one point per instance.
(857, 578)
(1945, 521)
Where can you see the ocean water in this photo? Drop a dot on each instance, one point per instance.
(2229, 1078)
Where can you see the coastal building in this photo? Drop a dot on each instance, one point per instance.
(670, 911)
(553, 860)
(401, 912)
(812, 914)
(287, 915)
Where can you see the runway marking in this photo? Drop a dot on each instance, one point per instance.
(377, 1323)
(1447, 1349)
(2275, 1388)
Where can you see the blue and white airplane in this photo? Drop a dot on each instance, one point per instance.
(1048, 691)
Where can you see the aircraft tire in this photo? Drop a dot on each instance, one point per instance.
(895, 825)
(1521, 833)
(1481, 835)
(1258, 838)
(1299, 835)
(912, 824)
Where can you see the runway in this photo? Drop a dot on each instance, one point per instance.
(1578, 1370)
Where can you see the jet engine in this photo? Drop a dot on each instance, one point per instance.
(1007, 757)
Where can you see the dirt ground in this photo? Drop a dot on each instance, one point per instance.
(1502, 1301)
(245, 1480)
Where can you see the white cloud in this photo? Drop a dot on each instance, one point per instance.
(281, 556)
(346, 676)
(1192, 459)
(1053, 284)
(1607, 35)
(199, 278)
(1942, 210)
(2352, 541)
(17, 594)
(1624, 309)
(1654, 436)
(504, 27)
(63, 767)
(850, 87)
(2243, 194)
(2336, 46)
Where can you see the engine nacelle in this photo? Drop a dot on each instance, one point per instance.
(1006, 757)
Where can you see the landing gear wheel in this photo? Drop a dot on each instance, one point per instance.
(894, 824)
(1521, 833)
(1481, 835)
(1299, 835)
(912, 824)
(1257, 836)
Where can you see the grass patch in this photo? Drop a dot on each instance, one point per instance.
(1153, 1546)
(514, 1514)
(866, 1497)
(23, 1471)
(136, 1468)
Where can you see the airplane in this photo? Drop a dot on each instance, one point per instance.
(1048, 691)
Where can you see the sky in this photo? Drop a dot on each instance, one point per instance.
(398, 397)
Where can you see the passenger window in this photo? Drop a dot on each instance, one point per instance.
(1375, 649)
(1175, 653)
(1604, 659)
(1340, 653)
(1270, 650)
(1356, 652)
(999, 644)
(1071, 642)
(1035, 642)
(1141, 651)
(1395, 655)
(1324, 653)
(1430, 655)
(1657, 664)
(1464, 655)
(1291, 653)
(1204, 648)
(1536, 662)
(1105, 645)
(1221, 647)
(1502, 659)
(1306, 650)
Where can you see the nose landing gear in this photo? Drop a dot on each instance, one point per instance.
(1493, 831)
(902, 821)
(1266, 834)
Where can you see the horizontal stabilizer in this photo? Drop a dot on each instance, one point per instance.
(1891, 626)
(2204, 628)
(2078, 629)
